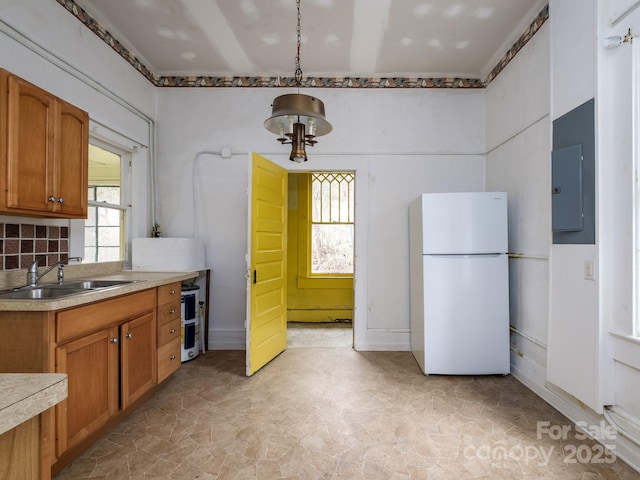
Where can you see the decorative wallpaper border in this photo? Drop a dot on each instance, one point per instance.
(528, 34)
(322, 82)
(308, 82)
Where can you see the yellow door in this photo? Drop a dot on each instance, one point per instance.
(266, 261)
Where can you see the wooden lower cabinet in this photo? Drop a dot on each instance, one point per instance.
(137, 358)
(169, 359)
(91, 364)
(115, 352)
(20, 452)
(108, 369)
(169, 330)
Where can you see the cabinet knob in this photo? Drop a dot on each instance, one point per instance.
(172, 292)
(172, 330)
(113, 340)
(61, 200)
(52, 199)
(172, 357)
(129, 335)
(172, 311)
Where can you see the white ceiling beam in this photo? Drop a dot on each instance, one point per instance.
(370, 21)
(214, 25)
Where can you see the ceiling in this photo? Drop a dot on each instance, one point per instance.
(340, 38)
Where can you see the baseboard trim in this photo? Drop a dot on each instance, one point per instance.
(625, 449)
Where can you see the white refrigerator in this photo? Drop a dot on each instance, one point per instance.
(459, 279)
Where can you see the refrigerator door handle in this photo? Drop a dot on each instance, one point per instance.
(465, 255)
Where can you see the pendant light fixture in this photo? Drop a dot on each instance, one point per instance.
(298, 119)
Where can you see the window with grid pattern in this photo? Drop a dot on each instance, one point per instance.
(332, 223)
(104, 228)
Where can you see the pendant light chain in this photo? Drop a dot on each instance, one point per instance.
(298, 72)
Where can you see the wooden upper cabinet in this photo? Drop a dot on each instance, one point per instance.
(30, 123)
(44, 148)
(71, 171)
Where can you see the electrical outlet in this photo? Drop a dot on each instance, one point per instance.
(589, 273)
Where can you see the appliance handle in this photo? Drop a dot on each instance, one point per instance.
(464, 255)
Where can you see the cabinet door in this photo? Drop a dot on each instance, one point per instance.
(91, 364)
(72, 161)
(138, 362)
(31, 115)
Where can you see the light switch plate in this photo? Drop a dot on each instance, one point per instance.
(589, 270)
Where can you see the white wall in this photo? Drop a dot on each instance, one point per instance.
(43, 43)
(573, 320)
(518, 162)
(400, 143)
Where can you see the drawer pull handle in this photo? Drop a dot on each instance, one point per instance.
(172, 357)
(172, 292)
(172, 311)
(173, 330)
(113, 340)
(129, 335)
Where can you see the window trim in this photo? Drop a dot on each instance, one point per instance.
(635, 146)
(305, 278)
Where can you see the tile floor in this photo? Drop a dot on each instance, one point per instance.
(334, 413)
(322, 335)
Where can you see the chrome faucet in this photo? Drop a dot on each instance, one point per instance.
(33, 277)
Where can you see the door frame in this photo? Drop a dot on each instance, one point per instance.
(363, 337)
(301, 278)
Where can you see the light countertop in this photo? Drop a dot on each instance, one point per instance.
(25, 395)
(142, 281)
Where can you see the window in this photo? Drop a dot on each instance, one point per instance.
(104, 230)
(332, 223)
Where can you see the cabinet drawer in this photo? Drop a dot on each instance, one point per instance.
(169, 312)
(168, 359)
(168, 293)
(168, 332)
(96, 316)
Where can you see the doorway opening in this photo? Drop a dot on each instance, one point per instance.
(320, 271)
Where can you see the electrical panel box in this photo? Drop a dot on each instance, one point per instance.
(566, 192)
(573, 176)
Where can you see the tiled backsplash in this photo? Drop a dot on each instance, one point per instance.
(21, 244)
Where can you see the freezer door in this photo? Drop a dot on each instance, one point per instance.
(464, 223)
(466, 314)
